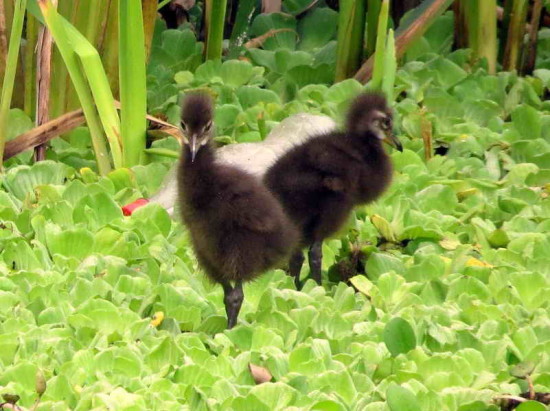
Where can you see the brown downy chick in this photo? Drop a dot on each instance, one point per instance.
(319, 182)
(238, 228)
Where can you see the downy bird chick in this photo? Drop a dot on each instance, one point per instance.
(320, 181)
(238, 228)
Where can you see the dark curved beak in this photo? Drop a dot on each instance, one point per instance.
(392, 140)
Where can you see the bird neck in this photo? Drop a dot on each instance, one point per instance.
(368, 144)
(203, 158)
(197, 178)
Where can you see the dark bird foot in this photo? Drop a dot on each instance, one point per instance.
(233, 300)
(295, 266)
(315, 259)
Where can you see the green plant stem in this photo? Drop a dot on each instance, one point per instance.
(215, 18)
(482, 30)
(514, 39)
(133, 97)
(351, 29)
(530, 52)
(11, 67)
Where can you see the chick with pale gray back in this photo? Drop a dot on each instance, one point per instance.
(255, 158)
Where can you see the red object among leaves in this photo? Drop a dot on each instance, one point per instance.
(128, 209)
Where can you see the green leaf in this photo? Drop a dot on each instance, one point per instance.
(523, 369)
(401, 399)
(272, 21)
(531, 406)
(399, 336)
(527, 122)
(73, 242)
(235, 73)
(317, 28)
(21, 180)
(19, 123)
(379, 263)
(250, 96)
(362, 284)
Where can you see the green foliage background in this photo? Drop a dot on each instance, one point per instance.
(457, 276)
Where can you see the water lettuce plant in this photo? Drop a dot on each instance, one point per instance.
(435, 296)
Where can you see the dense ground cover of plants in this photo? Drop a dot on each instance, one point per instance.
(449, 299)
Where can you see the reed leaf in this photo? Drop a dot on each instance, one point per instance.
(351, 28)
(108, 47)
(133, 95)
(390, 67)
(149, 10)
(10, 71)
(373, 11)
(380, 51)
(55, 24)
(99, 85)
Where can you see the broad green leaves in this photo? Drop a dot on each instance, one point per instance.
(399, 336)
(447, 307)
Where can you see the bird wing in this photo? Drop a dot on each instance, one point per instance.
(256, 220)
(333, 165)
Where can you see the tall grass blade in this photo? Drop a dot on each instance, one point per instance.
(133, 97)
(11, 67)
(390, 67)
(99, 85)
(380, 51)
(108, 46)
(241, 25)
(215, 18)
(373, 11)
(31, 30)
(149, 9)
(6, 19)
(56, 26)
(351, 29)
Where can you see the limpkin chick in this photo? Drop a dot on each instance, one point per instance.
(320, 181)
(238, 228)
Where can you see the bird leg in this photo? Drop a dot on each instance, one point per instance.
(233, 299)
(295, 266)
(315, 258)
